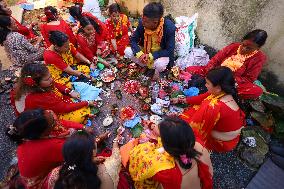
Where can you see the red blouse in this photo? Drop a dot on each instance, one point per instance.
(36, 158)
(230, 120)
(63, 27)
(53, 58)
(102, 36)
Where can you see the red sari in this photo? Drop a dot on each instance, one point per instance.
(119, 32)
(88, 45)
(36, 158)
(208, 113)
(49, 101)
(63, 27)
(244, 76)
(23, 29)
(103, 35)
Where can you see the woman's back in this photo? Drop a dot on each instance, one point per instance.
(193, 178)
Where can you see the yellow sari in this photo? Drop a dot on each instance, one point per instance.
(70, 60)
(145, 161)
(79, 116)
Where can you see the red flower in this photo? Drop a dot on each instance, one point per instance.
(29, 81)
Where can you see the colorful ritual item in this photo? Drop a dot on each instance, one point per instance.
(127, 113)
(208, 113)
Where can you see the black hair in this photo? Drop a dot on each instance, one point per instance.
(5, 23)
(78, 170)
(75, 12)
(30, 125)
(153, 10)
(178, 139)
(2, 12)
(257, 36)
(84, 21)
(114, 8)
(34, 70)
(51, 13)
(58, 38)
(223, 76)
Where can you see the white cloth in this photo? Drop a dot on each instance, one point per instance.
(160, 64)
(93, 7)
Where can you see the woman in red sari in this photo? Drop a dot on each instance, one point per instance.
(36, 89)
(99, 26)
(245, 59)
(118, 26)
(4, 10)
(55, 24)
(177, 160)
(216, 115)
(88, 41)
(63, 60)
(40, 137)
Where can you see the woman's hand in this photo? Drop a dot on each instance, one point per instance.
(178, 100)
(75, 94)
(99, 159)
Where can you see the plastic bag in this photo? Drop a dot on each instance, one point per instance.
(185, 35)
(196, 57)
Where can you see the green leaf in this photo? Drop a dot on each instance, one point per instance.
(265, 120)
(257, 105)
(273, 102)
(137, 130)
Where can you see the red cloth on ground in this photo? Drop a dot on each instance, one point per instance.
(24, 30)
(119, 33)
(102, 36)
(36, 158)
(245, 75)
(63, 27)
(86, 47)
(218, 117)
(53, 58)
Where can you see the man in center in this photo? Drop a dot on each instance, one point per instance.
(153, 42)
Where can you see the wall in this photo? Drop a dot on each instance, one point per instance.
(221, 22)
